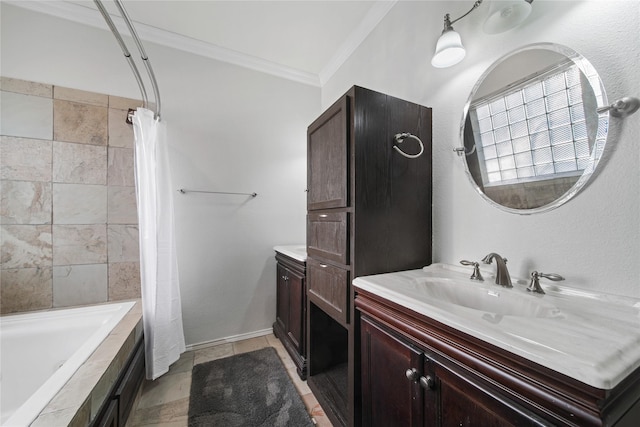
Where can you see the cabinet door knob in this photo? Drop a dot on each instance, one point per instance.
(427, 382)
(412, 374)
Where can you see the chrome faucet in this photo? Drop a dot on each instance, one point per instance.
(502, 274)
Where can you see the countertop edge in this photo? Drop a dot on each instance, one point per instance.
(297, 252)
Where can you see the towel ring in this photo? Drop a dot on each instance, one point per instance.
(400, 137)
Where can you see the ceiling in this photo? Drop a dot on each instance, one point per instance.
(298, 39)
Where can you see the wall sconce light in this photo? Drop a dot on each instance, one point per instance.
(503, 16)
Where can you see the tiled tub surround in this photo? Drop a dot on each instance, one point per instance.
(80, 399)
(69, 233)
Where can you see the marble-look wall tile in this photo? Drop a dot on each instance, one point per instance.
(78, 122)
(124, 281)
(123, 243)
(79, 163)
(120, 169)
(79, 244)
(26, 87)
(67, 198)
(120, 132)
(25, 289)
(79, 284)
(26, 116)
(79, 204)
(121, 103)
(122, 206)
(25, 159)
(25, 246)
(25, 202)
(82, 96)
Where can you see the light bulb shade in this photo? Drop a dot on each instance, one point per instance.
(505, 15)
(449, 50)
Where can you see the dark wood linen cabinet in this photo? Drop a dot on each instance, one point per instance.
(369, 211)
(291, 310)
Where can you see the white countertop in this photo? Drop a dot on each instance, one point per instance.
(298, 252)
(591, 337)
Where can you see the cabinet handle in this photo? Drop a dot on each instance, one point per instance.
(412, 374)
(427, 382)
(323, 265)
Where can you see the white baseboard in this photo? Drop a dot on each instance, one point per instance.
(234, 338)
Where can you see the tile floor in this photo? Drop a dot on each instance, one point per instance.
(165, 401)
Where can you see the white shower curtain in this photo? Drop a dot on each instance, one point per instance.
(161, 309)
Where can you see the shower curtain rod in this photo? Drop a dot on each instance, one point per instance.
(127, 54)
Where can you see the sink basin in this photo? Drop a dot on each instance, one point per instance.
(484, 297)
(557, 330)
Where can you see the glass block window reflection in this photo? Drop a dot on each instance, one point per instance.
(534, 131)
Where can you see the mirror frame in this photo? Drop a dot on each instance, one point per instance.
(598, 87)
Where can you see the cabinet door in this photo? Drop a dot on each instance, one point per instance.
(390, 370)
(464, 402)
(327, 155)
(109, 417)
(282, 289)
(130, 384)
(297, 310)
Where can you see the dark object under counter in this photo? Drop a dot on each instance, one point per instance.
(291, 311)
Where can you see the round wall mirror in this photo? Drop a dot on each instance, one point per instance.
(531, 131)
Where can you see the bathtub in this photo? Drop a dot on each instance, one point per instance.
(41, 351)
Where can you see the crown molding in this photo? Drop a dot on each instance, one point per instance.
(371, 20)
(88, 16)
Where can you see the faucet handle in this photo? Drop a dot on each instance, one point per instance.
(476, 270)
(551, 276)
(534, 286)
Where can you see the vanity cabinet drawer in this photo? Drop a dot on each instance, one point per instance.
(327, 236)
(328, 288)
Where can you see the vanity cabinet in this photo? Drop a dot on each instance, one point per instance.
(291, 308)
(368, 212)
(418, 372)
(405, 385)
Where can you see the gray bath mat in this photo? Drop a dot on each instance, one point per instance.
(249, 390)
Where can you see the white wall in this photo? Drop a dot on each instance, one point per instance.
(594, 239)
(230, 129)
(238, 130)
